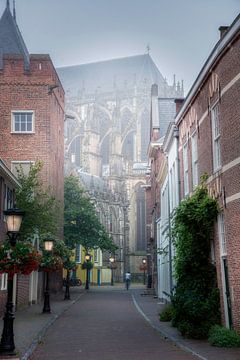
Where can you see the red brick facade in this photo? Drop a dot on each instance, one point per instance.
(22, 90)
(30, 85)
(219, 85)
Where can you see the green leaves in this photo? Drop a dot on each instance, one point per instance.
(81, 224)
(196, 297)
(41, 208)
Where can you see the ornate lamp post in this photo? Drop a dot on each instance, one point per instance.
(7, 346)
(144, 262)
(111, 260)
(48, 246)
(87, 259)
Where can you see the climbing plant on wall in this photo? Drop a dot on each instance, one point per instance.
(196, 297)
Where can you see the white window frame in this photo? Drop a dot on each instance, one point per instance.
(4, 280)
(216, 137)
(96, 255)
(78, 253)
(14, 162)
(13, 112)
(185, 169)
(222, 237)
(194, 159)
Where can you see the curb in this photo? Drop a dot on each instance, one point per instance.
(164, 334)
(43, 331)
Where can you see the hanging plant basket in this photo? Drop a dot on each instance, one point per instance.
(87, 265)
(51, 262)
(20, 259)
(70, 265)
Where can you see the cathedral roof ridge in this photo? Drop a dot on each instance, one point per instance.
(106, 61)
(118, 74)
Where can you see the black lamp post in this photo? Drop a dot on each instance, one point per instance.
(111, 260)
(7, 346)
(48, 246)
(67, 286)
(144, 262)
(87, 259)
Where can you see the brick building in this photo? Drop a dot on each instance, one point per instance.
(163, 111)
(31, 116)
(209, 142)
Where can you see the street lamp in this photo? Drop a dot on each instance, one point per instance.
(87, 259)
(144, 262)
(13, 221)
(111, 260)
(48, 246)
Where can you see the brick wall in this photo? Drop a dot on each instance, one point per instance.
(197, 117)
(33, 90)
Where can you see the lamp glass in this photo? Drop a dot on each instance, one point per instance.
(144, 261)
(13, 222)
(87, 257)
(48, 245)
(111, 259)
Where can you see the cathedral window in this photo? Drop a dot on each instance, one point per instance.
(23, 122)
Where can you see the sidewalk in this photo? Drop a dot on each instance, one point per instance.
(30, 324)
(149, 308)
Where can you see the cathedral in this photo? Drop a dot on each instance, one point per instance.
(107, 133)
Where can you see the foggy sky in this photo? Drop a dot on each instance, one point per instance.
(181, 34)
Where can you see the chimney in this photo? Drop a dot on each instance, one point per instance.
(223, 30)
(178, 103)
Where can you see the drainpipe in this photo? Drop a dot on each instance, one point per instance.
(169, 231)
(176, 136)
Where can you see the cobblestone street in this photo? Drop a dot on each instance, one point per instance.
(105, 325)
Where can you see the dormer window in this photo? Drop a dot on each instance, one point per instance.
(23, 122)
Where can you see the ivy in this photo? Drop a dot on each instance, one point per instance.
(196, 297)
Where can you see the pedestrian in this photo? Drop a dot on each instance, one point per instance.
(127, 279)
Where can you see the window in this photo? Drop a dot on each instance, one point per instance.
(4, 279)
(216, 137)
(221, 231)
(22, 121)
(185, 169)
(78, 253)
(96, 255)
(8, 197)
(194, 160)
(24, 165)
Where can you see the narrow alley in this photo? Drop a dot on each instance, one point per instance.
(105, 325)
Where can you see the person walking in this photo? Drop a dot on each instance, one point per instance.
(127, 279)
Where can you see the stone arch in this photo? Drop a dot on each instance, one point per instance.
(98, 119)
(128, 145)
(126, 117)
(73, 148)
(104, 148)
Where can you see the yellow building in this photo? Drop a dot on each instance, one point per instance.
(99, 274)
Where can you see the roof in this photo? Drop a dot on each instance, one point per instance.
(106, 76)
(167, 113)
(11, 40)
(92, 182)
(8, 174)
(216, 53)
